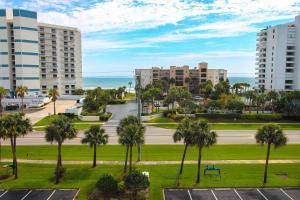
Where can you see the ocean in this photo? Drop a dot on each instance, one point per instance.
(115, 82)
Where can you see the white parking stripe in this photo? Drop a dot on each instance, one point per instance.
(238, 194)
(3, 193)
(286, 194)
(26, 195)
(262, 194)
(214, 194)
(190, 194)
(51, 194)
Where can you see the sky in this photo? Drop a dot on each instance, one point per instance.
(121, 35)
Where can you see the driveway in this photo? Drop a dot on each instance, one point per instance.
(121, 111)
(37, 114)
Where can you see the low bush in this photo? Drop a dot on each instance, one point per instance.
(85, 113)
(136, 182)
(105, 116)
(218, 115)
(107, 185)
(262, 116)
(177, 117)
(117, 101)
(69, 115)
(168, 113)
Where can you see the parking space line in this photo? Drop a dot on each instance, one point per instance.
(286, 194)
(214, 194)
(51, 194)
(190, 194)
(262, 194)
(200, 189)
(3, 193)
(26, 195)
(238, 194)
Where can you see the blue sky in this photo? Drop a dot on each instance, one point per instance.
(121, 35)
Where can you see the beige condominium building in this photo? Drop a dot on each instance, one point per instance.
(181, 76)
(39, 56)
(215, 75)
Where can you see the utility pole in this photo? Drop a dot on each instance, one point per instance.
(138, 95)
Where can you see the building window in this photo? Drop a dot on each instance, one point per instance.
(289, 81)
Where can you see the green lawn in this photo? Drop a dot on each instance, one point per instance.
(228, 126)
(80, 125)
(154, 152)
(161, 176)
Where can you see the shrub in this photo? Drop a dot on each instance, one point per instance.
(177, 117)
(117, 101)
(218, 115)
(69, 115)
(136, 182)
(262, 116)
(168, 113)
(121, 186)
(85, 113)
(105, 116)
(107, 185)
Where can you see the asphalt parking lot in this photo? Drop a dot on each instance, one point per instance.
(38, 194)
(233, 194)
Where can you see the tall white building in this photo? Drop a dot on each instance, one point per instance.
(39, 56)
(278, 57)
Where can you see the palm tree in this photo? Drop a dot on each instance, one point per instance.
(132, 134)
(94, 136)
(184, 132)
(58, 131)
(3, 93)
(250, 95)
(270, 134)
(203, 137)
(129, 83)
(14, 126)
(21, 91)
(3, 133)
(273, 97)
(122, 132)
(53, 93)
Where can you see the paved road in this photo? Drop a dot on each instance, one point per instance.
(155, 135)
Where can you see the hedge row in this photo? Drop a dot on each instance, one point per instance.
(232, 116)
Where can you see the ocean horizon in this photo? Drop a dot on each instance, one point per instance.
(114, 82)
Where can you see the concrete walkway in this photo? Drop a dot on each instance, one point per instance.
(158, 162)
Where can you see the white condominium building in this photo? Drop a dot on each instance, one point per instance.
(39, 56)
(278, 57)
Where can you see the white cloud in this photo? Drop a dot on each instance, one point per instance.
(234, 17)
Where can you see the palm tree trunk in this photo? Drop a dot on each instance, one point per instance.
(22, 107)
(95, 155)
(130, 160)
(126, 158)
(59, 163)
(182, 160)
(1, 108)
(139, 152)
(13, 148)
(267, 163)
(0, 151)
(199, 164)
(54, 107)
